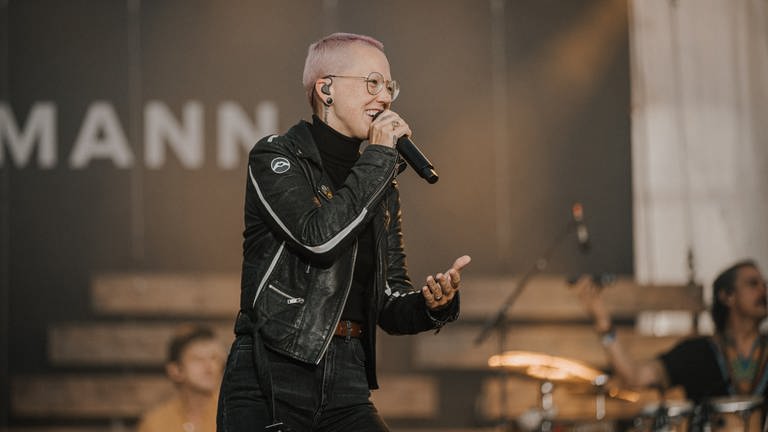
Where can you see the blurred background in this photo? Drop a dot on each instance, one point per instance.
(125, 125)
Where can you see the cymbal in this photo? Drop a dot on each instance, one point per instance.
(545, 367)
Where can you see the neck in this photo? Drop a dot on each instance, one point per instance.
(743, 332)
(194, 403)
(329, 132)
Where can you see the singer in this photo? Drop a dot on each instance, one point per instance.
(323, 257)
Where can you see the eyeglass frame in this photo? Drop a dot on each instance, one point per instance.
(395, 86)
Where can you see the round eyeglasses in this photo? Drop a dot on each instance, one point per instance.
(375, 83)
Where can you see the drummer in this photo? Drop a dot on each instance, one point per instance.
(731, 362)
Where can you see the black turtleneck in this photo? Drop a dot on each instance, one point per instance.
(339, 153)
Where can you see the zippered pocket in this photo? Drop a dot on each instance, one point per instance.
(289, 299)
(268, 273)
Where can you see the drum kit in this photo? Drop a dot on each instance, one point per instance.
(721, 414)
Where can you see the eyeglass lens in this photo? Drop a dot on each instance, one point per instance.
(376, 83)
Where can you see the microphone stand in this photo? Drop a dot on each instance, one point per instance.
(498, 320)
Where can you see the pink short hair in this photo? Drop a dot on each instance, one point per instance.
(326, 56)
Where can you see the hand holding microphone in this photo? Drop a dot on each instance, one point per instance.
(388, 124)
(386, 128)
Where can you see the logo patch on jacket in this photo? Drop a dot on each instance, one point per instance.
(280, 165)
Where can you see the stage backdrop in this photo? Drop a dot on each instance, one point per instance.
(124, 127)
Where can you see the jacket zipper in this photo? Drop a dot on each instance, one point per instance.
(383, 186)
(341, 309)
(268, 273)
(291, 299)
(380, 235)
(378, 192)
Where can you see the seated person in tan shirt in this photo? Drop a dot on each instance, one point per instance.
(195, 363)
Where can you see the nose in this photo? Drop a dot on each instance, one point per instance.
(385, 97)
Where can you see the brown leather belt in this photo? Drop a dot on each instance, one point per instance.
(346, 328)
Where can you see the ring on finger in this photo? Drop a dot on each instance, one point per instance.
(438, 297)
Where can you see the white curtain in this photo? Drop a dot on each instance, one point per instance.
(699, 136)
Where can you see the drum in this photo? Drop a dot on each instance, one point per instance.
(735, 414)
(536, 420)
(669, 416)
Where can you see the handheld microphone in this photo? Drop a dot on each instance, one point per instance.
(416, 159)
(582, 234)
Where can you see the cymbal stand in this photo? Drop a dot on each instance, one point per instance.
(499, 320)
(661, 419)
(600, 396)
(547, 405)
(661, 415)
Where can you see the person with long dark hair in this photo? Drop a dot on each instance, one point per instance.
(731, 363)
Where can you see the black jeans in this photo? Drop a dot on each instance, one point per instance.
(330, 397)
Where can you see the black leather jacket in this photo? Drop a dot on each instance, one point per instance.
(301, 242)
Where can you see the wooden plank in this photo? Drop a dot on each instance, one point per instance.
(433, 429)
(546, 297)
(117, 428)
(131, 343)
(549, 298)
(167, 294)
(410, 396)
(124, 428)
(109, 396)
(454, 348)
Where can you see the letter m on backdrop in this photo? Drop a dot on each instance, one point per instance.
(38, 131)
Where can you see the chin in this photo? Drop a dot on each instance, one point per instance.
(206, 388)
